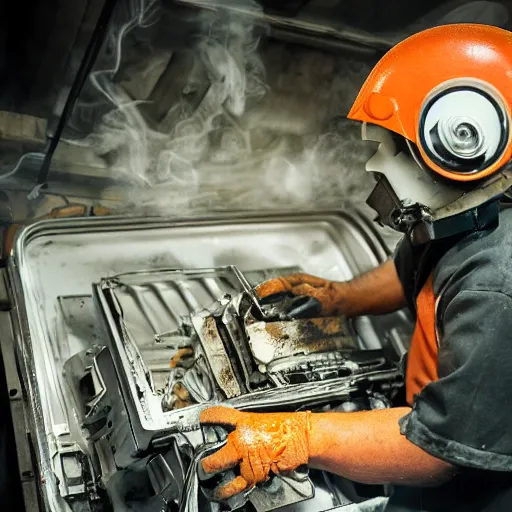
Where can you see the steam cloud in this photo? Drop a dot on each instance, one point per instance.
(256, 124)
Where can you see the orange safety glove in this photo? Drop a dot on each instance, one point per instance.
(330, 294)
(259, 443)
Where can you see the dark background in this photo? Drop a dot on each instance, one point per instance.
(36, 38)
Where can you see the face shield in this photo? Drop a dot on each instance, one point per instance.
(410, 198)
(403, 184)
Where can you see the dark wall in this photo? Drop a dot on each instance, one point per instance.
(390, 15)
(371, 15)
(36, 37)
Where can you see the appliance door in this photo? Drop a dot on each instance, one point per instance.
(63, 258)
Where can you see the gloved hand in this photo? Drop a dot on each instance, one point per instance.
(260, 443)
(330, 294)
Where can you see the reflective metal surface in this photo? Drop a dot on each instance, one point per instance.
(53, 270)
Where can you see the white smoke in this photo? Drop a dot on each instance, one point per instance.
(267, 131)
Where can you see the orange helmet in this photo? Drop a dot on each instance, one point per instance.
(449, 91)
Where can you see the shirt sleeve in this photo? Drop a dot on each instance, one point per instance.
(465, 417)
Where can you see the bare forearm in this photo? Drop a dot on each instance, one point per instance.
(375, 292)
(367, 447)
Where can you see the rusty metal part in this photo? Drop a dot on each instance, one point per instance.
(76, 210)
(181, 354)
(216, 355)
(72, 210)
(177, 395)
(100, 211)
(274, 340)
(181, 404)
(182, 395)
(181, 391)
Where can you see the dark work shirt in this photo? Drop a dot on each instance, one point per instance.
(465, 417)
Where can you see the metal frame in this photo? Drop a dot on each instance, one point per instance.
(23, 426)
(20, 342)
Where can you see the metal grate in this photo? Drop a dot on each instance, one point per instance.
(156, 306)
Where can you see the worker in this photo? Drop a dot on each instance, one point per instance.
(439, 106)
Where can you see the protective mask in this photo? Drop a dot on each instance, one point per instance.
(409, 198)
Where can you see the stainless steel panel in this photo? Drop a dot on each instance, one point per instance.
(62, 258)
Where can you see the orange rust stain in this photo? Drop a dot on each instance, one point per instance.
(181, 404)
(329, 325)
(181, 354)
(101, 211)
(320, 346)
(274, 329)
(181, 392)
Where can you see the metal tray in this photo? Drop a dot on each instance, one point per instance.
(64, 257)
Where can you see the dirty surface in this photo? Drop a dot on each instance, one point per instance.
(181, 354)
(217, 356)
(273, 340)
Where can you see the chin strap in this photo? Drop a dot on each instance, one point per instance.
(476, 210)
(485, 216)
